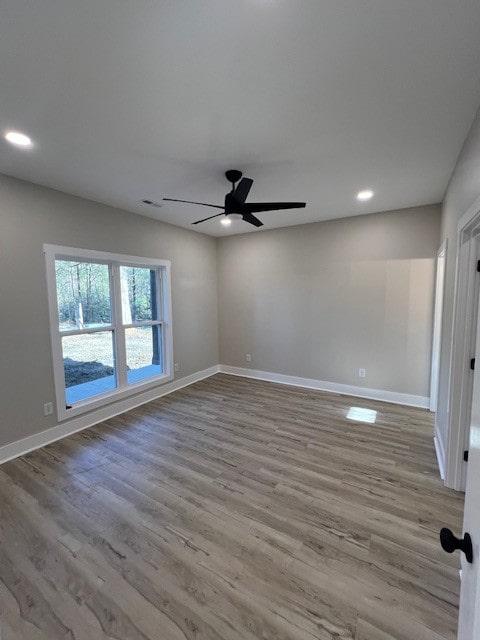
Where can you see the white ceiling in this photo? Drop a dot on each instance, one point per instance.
(313, 99)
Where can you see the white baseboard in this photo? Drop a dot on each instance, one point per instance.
(310, 383)
(37, 440)
(439, 450)
(67, 428)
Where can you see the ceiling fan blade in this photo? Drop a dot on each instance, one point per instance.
(209, 218)
(255, 207)
(252, 220)
(203, 204)
(241, 192)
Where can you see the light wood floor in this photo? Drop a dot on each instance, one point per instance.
(231, 510)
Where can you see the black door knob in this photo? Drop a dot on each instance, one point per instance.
(451, 543)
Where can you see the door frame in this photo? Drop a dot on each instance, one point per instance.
(461, 347)
(437, 324)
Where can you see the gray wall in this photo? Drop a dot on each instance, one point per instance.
(323, 300)
(463, 189)
(32, 215)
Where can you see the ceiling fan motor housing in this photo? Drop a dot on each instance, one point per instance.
(231, 204)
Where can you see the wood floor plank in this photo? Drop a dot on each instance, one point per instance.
(233, 509)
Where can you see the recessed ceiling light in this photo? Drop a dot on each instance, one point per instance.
(366, 194)
(18, 139)
(226, 222)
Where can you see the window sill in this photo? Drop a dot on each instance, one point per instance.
(84, 406)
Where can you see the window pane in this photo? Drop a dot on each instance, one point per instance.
(144, 353)
(89, 365)
(139, 294)
(83, 294)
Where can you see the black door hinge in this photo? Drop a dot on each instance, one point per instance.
(472, 364)
(478, 265)
(465, 456)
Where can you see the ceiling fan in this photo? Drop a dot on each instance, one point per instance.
(235, 204)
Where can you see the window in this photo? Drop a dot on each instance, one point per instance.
(110, 325)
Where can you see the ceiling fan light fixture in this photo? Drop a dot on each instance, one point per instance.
(235, 216)
(226, 222)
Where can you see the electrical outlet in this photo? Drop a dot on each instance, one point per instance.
(176, 366)
(362, 373)
(48, 408)
(248, 357)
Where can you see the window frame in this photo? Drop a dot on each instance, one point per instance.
(116, 326)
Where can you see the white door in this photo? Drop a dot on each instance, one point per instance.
(469, 618)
